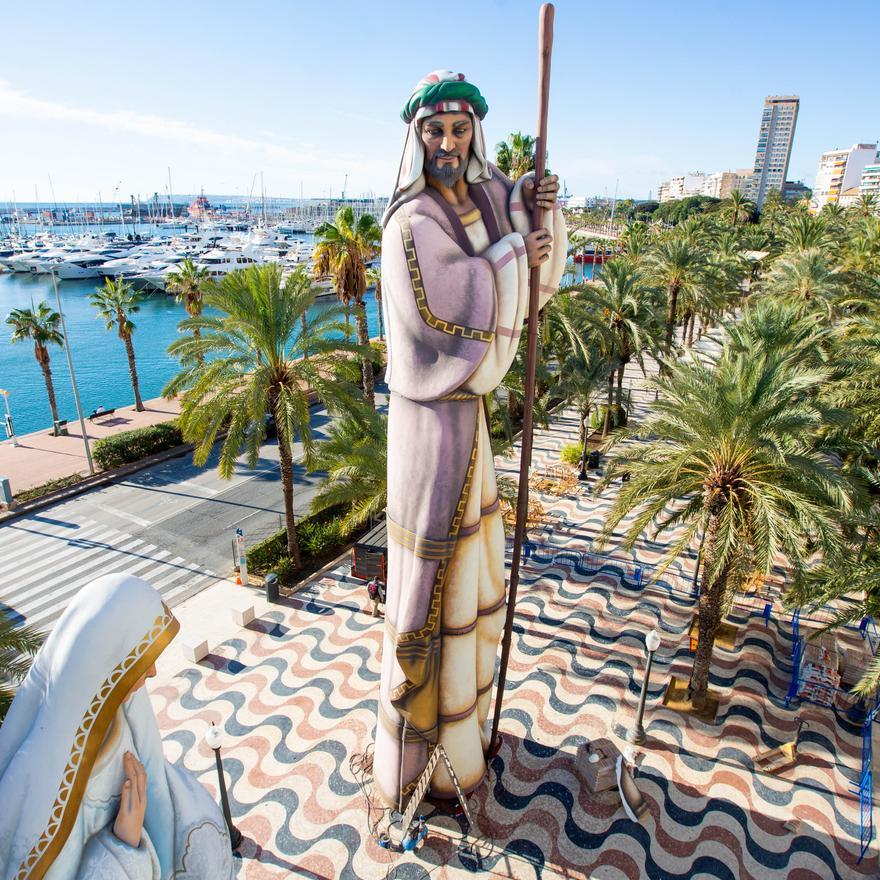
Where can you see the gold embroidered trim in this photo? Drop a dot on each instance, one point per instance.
(415, 277)
(437, 592)
(87, 742)
(424, 548)
(459, 395)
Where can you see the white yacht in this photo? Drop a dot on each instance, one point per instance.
(219, 263)
(83, 265)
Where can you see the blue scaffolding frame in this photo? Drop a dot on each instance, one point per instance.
(864, 785)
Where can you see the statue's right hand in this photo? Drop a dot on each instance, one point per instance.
(538, 247)
(133, 802)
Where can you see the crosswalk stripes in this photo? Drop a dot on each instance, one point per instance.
(47, 562)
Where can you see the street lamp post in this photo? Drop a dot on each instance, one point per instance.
(214, 740)
(583, 474)
(10, 427)
(79, 412)
(636, 734)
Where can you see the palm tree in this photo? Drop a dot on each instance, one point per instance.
(577, 343)
(18, 645)
(115, 301)
(374, 277)
(342, 251)
(675, 265)
(256, 368)
(805, 278)
(867, 205)
(777, 327)
(857, 390)
(355, 457)
(40, 324)
(635, 240)
(623, 303)
(516, 156)
(188, 283)
(804, 232)
(740, 207)
(729, 455)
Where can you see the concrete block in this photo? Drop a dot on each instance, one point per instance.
(243, 615)
(195, 653)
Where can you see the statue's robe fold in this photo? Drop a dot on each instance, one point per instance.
(456, 296)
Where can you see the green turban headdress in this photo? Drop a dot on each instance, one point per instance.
(444, 92)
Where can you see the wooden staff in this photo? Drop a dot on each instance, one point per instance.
(545, 49)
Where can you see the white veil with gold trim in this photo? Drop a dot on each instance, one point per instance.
(79, 684)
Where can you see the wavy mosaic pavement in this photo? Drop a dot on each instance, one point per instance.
(295, 694)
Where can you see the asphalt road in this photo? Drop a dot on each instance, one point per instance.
(172, 524)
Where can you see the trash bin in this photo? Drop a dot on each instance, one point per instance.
(271, 582)
(593, 461)
(60, 428)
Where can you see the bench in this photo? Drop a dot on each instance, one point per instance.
(103, 412)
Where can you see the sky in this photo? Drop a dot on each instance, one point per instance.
(103, 97)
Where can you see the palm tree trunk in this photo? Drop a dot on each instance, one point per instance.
(607, 426)
(347, 322)
(285, 459)
(672, 294)
(363, 336)
(381, 317)
(132, 369)
(305, 335)
(43, 361)
(691, 320)
(585, 416)
(620, 384)
(514, 410)
(709, 614)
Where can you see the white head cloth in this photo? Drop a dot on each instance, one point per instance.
(411, 172)
(109, 636)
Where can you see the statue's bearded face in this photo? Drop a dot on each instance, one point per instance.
(447, 138)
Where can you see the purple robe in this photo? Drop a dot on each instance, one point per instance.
(456, 292)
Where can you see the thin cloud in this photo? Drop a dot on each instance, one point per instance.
(14, 102)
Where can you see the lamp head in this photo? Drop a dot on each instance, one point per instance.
(652, 640)
(213, 737)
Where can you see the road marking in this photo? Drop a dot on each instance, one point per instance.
(124, 514)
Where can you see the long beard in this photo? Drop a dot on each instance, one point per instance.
(448, 175)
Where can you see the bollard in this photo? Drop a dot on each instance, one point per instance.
(272, 588)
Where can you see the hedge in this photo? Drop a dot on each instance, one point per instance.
(320, 535)
(572, 453)
(46, 488)
(129, 446)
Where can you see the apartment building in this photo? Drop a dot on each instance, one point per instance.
(840, 171)
(773, 152)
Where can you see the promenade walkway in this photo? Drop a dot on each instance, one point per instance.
(41, 457)
(295, 695)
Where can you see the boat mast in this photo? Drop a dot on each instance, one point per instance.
(170, 200)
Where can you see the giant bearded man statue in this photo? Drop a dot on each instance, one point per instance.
(456, 251)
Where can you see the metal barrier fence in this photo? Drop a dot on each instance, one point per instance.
(867, 629)
(865, 791)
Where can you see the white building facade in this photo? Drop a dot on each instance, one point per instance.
(840, 171)
(681, 187)
(870, 182)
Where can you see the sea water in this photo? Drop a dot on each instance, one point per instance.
(99, 358)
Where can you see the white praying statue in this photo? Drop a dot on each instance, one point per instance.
(85, 787)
